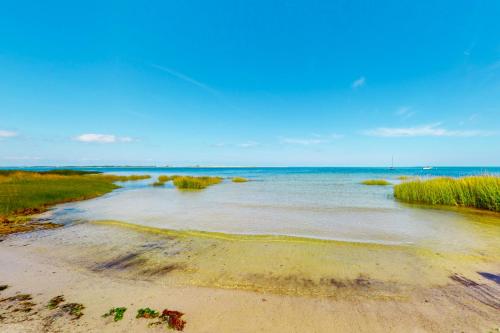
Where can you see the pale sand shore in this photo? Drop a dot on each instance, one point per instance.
(49, 263)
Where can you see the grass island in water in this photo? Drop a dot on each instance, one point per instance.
(482, 192)
(239, 180)
(381, 182)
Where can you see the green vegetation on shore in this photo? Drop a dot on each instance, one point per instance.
(381, 182)
(24, 193)
(481, 192)
(187, 182)
(239, 180)
(116, 178)
(162, 180)
(195, 183)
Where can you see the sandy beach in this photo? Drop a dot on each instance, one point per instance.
(250, 166)
(104, 265)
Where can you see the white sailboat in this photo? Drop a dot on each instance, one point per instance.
(392, 164)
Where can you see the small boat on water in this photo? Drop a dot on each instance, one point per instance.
(427, 168)
(392, 164)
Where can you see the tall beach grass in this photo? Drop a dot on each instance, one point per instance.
(195, 183)
(24, 193)
(239, 180)
(481, 192)
(162, 180)
(117, 178)
(381, 182)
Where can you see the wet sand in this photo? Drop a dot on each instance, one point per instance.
(234, 283)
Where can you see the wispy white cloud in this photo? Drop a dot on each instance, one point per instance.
(358, 83)
(188, 79)
(314, 139)
(424, 130)
(7, 134)
(468, 51)
(248, 144)
(405, 112)
(102, 138)
(218, 144)
(196, 83)
(300, 141)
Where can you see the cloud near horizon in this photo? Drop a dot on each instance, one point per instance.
(316, 139)
(102, 138)
(248, 144)
(7, 134)
(422, 131)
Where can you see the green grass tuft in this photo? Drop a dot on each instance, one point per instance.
(164, 178)
(195, 183)
(381, 182)
(481, 192)
(239, 180)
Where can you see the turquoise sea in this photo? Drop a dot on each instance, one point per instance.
(326, 203)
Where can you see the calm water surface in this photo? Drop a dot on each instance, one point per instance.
(327, 203)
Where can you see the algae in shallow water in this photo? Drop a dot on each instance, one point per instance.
(55, 301)
(117, 313)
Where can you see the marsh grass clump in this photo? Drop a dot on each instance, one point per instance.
(24, 193)
(195, 183)
(117, 313)
(69, 172)
(239, 180)
(117, 178)
(27, 193)
(405, 177)
(381, 182)
(164, 178)
(481, 192)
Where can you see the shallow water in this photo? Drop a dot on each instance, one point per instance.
(324, 203)
(287, 231)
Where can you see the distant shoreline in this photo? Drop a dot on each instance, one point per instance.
(242, 167)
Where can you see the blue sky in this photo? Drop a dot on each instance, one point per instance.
(337, 83)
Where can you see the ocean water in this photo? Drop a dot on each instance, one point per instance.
(325, 203)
